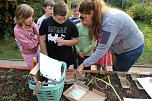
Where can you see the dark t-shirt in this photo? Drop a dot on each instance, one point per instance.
(54, 31)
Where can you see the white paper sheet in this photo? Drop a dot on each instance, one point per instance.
(50, 68)
(133, 99)
(146, 84)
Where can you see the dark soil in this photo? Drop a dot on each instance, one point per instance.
(14, 86)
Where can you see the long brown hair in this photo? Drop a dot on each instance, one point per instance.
(98, 7)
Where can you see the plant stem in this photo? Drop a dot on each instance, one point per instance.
(90, 81)
(109, 84)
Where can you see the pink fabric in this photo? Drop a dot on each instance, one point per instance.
(28, 58)
(121, 43)
(28, 40)
(106, 60)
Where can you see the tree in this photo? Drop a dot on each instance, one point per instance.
(7, 13)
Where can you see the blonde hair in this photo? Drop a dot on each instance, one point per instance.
(23, 12)
(98, 7)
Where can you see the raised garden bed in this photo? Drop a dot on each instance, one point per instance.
(14, 86)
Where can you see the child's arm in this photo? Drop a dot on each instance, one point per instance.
(81, 54)
(28, 43)
(43, 44)
(77, 48)
(36, 29)
(90, 47)
(72, 42)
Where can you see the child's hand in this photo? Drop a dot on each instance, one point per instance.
(81, 54)
(60, 42)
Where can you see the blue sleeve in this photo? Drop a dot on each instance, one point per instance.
(105, 39)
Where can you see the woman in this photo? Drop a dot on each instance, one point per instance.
(116, 31)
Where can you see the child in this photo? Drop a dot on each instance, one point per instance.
(105, 61)
(26, 32)
(75, 19)
(75, 11)
(48, 9)
(58, 34)
(86, 46)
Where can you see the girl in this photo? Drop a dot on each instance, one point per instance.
(26, 32)
(86, 46)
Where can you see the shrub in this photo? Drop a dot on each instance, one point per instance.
(141, 11)
(148, 12)
(116, 3)
(7, 9)
(136, 11)
(129, 3)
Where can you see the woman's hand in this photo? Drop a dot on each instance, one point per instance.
(80, 68)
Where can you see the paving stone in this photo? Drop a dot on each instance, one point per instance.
(109, 68)
(146, 69)
(12, 63)
(134, 70)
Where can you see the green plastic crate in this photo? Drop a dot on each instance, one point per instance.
(52, 92)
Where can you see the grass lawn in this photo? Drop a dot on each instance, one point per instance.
(9, 50)
(146, 58)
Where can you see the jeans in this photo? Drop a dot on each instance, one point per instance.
(125, 60)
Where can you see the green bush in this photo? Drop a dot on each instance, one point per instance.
(35, 4)
(121, 3)
(136, 11)
(116, 3)
(141, 11)
(148, 12)
(129, 3)
(7, 9)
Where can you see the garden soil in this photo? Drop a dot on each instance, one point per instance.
(14, 86)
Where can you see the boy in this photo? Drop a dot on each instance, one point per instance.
(58, 34)
(75, 19)
(48, 9)
(75, 11)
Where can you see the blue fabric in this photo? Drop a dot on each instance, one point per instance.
(125, 60)
(104, 37)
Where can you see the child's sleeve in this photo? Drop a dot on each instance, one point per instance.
(74, 30)
(77, 48)
(24, 40)
(90, 47)
(36, 29)
(43, 28)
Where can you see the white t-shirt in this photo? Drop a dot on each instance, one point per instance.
(39, 21)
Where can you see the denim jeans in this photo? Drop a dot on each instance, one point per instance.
(125, 60)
